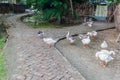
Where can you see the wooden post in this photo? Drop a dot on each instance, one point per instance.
(117, 17)
(118, 38)
(71, 4)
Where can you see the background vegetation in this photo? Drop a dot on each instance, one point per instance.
(3, 37)
(58, 9)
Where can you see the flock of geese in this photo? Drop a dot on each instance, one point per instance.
(103, 55)
(85, 38)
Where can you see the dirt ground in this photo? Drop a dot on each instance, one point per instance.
(23, 41)
(84, 59)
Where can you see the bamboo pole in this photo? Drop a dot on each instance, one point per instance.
(118, 38)
(71, 4)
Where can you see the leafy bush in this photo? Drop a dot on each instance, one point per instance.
(2, 42)
(2, 66)
(53, 9)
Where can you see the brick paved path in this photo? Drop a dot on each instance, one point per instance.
(29, 58)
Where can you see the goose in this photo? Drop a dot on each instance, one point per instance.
(81, 36)
(111, 52)
(85, 40)
(105, 58)
(85, 21)
(50, 41)
(90, 22)
(70, 39)
(104, 45)
(92, 34)
(41, 34)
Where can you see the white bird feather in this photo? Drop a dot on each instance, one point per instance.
(70, 38)
(92, 34)
(50, 41)
(104, 44)
(85, 40)
(104, 57)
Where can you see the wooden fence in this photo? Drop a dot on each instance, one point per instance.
(87, 9)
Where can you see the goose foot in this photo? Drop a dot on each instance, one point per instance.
(93, 38)
(103, 64)
(49, 46)
(97, 58)
(86, 46)
(70, 43)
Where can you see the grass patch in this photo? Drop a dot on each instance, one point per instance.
(2, 42)
(2, 66)
(3, 37)
(38, 18)
(2, 60)
(46, 25)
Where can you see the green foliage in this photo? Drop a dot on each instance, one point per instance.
(22, 1)
(53, 8)
(3, 37)
(45, 25)
(35, 19)
(39, 18)
(30, 2)
(2, 66)
(38, 21)
(115, 1)
(2, 42)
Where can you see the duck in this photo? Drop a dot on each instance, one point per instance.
(104, 45)
(85, 40)
(81, 36)
(90, 22)
(104, 58)
(70, 38)
(85, 21)
(40, 34)
(111, 52)
(50, 41)
(92, 34)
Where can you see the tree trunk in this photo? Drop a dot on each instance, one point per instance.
(71, 4)
(117, 17)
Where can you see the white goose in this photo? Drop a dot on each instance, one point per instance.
(70, 39)
(85, 21)
(111, 53)
(50, 41)
(105, 58)
(85, 40)
(104, 45)
(90, 22)
(92, 34)
(41, 34)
